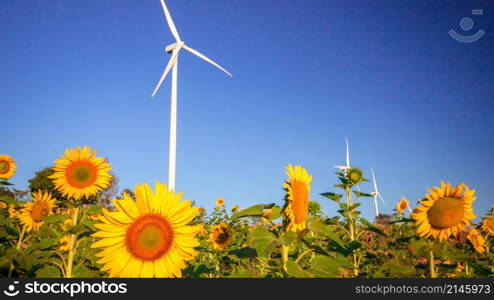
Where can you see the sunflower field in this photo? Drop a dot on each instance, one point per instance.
(153, 232)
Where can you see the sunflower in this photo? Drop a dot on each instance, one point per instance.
(68, 211)
(33, 213)
(445, 211)
(355, 176)
(220, 236)
(478, 242)
(459, 268)
(13, 213)
(235, 208)
(266, 216)
(203, 231)
(7, 167)
(297, 197)
(3, 204)
(66, 224)
(220, 202)
(80, 174)
(148, 237)
(402, 205)
(488, 225)
(94, 217)
(64, 243)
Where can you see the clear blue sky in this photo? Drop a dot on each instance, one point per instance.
(415, 104)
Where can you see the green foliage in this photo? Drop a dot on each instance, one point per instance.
(253, 211)
(346, 245)
(264, 240)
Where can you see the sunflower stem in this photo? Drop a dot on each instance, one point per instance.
(431, 264)
(350, 216)
(72, 246)
(18, 246)
(284, 256)
(351, 228)
(303, 254)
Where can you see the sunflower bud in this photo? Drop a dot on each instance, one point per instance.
(355, 176)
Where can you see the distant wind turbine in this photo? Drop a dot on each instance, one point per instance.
(376, 194)
(174, 49)
(347, 166)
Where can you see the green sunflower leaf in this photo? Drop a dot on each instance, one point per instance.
(264, 240)
(95, 209)
(327, 231)
(253, 211)
(47, 243)
(360, 194)
(275, 213)
(84, 272)
(324, 267)
(48, 272)
(295, 270)
(241, 274)
(333, 196)
(54, 219)
(288, 237)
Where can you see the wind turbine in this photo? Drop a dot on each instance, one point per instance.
(347, 166)
(376, 194)
(172, 65)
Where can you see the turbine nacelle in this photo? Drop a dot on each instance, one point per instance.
(175, 46)
(342, 167)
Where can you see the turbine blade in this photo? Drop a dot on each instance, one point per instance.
(169, 20)
(347, 154)
(374, 181)
(380, 197)
(169, 66)
(202, 56)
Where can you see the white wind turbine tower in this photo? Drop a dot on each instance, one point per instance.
(174, 49)
(376, 194)
(347, 166)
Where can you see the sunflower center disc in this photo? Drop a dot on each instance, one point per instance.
(4, 167)
(39, 212)
(222, 237)
(81, 174)
(300, 202)
(149, 237)
(446, 212)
